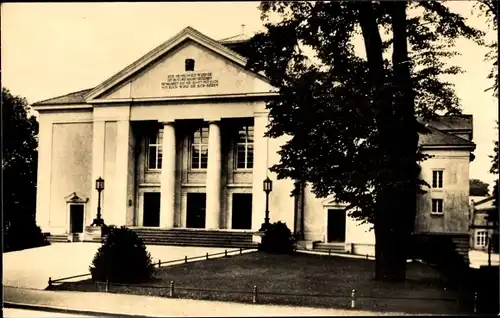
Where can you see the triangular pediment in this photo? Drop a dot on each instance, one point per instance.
(162, 74)
(75, 198)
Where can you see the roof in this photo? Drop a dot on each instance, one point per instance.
(235, 39)
(71, 98)
(437, 137)
(453, 122)
(485, 204)
(476, 198)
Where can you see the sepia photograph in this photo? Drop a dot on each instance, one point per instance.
(253, 158)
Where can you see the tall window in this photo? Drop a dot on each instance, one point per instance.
(244, 148)
(437, 179)
(199, 155)
(437, 206)
(154, 142)
(481, 238)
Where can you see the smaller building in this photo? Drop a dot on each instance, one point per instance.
(480, 230)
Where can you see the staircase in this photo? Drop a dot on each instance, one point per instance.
(58, 238)
(329, 247)
(186, 237)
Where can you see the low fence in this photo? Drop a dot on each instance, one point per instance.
(158, 264)
(254, 295)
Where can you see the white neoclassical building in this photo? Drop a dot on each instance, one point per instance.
(178, 137)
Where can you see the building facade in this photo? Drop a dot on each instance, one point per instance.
(178, 137)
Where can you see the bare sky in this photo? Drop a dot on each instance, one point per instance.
(50, 49)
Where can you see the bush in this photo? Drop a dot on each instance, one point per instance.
(23, 234)
(278, 239)
(439, 251)
(123, 258)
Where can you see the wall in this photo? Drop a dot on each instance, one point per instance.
(455, 193)
(70, 170)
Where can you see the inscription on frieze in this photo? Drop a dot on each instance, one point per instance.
(189, 80)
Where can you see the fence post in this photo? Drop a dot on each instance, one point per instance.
(108, 285)
(353, 298)
(366, 256)
(50, 282)
(171, 293)
(475, 302)
(329, 252)
(185, 259)
(241, 250)
(225, 253)
(159, 263)
(207, 255)
(255, 294)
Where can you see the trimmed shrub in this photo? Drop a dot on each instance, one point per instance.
(123, 258)
(23, 234)
(278, 239)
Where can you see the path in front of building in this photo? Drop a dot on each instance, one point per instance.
(90, 303)
(31, 268)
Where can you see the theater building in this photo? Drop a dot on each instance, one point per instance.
(178, 137)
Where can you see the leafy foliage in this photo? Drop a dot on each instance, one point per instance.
(278, 239)
(123, 258)
(478, 188)
(19, 168)
(22, 235)
(353, 120)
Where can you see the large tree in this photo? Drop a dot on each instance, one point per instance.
(489, 9)
(478, 188)
(19, 169)
(352, 120)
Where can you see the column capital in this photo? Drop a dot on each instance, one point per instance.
(167, 122)
(211, 120)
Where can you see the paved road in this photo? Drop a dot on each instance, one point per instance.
(22, 313)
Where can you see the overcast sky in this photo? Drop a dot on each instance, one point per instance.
(50, 49)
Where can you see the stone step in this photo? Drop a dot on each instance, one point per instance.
(202, 244)
(198, 237)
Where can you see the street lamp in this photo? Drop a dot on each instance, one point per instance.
(268, 187)
(99, 186)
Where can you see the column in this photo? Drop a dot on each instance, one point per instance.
(122, 167)
(167, 201)
(213, 176)
(260, 165)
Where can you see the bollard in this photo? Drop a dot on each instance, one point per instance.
(171, 292)
(225, 253)
(255, 294)
(475, 302)
(159, 263)
(185, 259)
(353, 298)
(50, 282)
(241, 250)
(108, 285)
(207, 255)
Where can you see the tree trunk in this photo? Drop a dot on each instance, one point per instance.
(395, 199)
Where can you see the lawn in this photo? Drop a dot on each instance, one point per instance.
(330, 278)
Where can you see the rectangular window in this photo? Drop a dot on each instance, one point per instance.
(437, 206)
(154, 145)
(437, 179)
(244, 148)
(199, 153)
(481, 238)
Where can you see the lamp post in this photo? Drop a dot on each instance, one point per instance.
(99, 186)
(268, 187)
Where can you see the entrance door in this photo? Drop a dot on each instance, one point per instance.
(196, 203)
(151, 209)
(336, 225)
(242, 211)
(76, 218)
